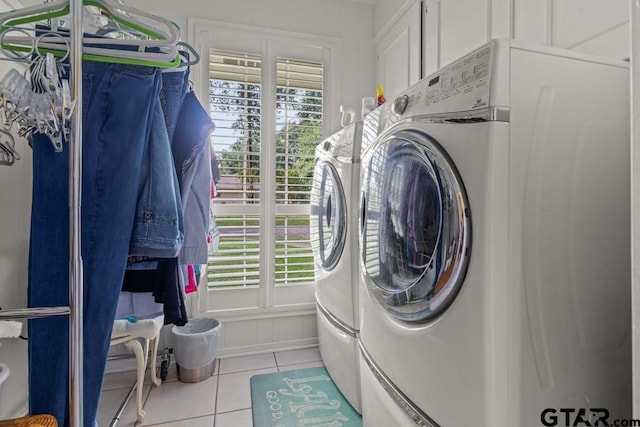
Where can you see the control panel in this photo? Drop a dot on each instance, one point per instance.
(343, 143)
(470, 74)
(463, 85)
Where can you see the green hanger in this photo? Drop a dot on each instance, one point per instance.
(14, 19)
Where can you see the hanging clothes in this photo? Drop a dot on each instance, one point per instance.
(124, 132)
(161, 274)
(159, 227)
(117, 124)
(165, 284)
(192, 281)
(190, 148)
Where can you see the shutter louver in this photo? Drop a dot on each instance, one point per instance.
(235, 92)
(298, 131)
(235, 103)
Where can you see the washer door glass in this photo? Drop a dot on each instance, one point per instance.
(415, 231)
(328, 216)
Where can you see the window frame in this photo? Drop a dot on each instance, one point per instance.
(267, 298)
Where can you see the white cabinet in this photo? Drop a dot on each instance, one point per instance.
(453, 28)
(463, 27)
(398, 51)
(430, 37)
(588, 26)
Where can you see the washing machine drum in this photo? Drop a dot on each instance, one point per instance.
(415, 230)
(328, 221)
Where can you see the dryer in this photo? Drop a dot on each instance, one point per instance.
(334, 238)
(494, 244)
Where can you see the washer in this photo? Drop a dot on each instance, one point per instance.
(334, 234)
(494, 244)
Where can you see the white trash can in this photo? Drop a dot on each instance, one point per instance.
(195, 346)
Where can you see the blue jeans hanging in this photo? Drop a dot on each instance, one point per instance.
(117, 124)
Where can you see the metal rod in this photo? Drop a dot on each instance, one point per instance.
(33, 313)
(127, 398)
(76, 295)
(123, 406)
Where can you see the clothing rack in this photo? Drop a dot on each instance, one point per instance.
(75, 308)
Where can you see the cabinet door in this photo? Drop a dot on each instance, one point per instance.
(431, 37)
(464, 26)
(399, 53)
(592, 26)
(595, 27)
(453, 28)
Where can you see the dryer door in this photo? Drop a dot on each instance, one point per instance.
(328, 216)
(415, 230)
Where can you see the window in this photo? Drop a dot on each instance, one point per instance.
(266, 95)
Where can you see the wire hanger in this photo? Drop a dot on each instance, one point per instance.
(160, 34)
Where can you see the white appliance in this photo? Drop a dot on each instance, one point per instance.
(494, 244)
(334, 236)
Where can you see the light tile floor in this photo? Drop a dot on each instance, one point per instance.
(224, 400)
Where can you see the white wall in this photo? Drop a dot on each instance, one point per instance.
(15, 195)
(635, 203)
(384, 11)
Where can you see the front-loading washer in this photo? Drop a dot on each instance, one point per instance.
(334, 238)
(494, 245)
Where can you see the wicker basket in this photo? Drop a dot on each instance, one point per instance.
(31, 421)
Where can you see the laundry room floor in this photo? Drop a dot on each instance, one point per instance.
(224, 400)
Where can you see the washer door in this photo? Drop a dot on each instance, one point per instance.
(328, 216)
(415, 230)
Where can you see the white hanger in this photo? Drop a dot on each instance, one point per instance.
(162, 33)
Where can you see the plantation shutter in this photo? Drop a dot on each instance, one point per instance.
(235, 105)
(298, 131)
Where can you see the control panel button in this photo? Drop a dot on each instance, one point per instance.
(400, 104)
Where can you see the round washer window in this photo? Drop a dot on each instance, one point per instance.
(328, 215)
(415, 233)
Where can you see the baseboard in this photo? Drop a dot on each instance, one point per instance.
(124, 363)
(268, 348)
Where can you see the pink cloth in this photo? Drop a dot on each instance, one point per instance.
(192, 286)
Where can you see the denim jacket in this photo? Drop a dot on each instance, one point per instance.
(158, 229)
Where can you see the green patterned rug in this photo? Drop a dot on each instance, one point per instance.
(300, 398)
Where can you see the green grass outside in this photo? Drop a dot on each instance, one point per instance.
(297, 270)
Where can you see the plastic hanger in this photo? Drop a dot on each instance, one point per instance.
(194, 56)
(8, 154)
(188, 57)
(164, 39)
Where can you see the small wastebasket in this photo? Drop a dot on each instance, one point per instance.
(195, 346)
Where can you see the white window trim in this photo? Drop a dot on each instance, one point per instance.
(267, 299)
